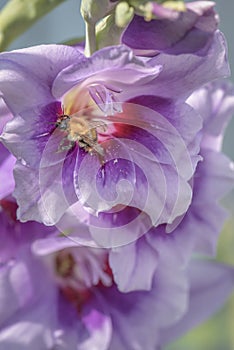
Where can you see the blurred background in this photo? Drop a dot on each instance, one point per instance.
(64, 23)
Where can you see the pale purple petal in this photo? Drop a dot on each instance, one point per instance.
(5, 115)
(7, 161)
(199, 229)
(186, 32)
(158, 308)
(184, 73)
(46, 188)
(115, 66)
(13, 234)
(14, 277)
(206, 296)
(118, 228)
(23, 68)
(98, 324)
(134, 266)
(27, 135)
(215, 103)
(7, 182)
(31, 329)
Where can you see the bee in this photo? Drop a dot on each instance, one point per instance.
(82, 130)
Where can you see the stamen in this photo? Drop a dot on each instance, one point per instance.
(78, 272)
(64, 264)
(105, 98)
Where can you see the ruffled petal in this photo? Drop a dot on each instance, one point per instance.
(215, 103)
(186, 32)
(114, 66)
(183, 74)
(199, 229)
(23, 68)
(160, 307)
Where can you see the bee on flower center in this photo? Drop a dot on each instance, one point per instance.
(81, 130)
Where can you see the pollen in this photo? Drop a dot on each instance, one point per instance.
(64, 264)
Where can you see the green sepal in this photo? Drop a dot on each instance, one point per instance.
(73, 41)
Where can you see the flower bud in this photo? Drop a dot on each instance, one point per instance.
(92, 10)
(123, 14)
(165, 9)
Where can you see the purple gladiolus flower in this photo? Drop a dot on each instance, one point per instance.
(174, 32)
(53, 295)
(108, 131)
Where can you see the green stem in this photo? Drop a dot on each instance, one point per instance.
(90, 39)
(19, 15)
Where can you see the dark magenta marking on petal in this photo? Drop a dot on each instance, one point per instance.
(47, 116)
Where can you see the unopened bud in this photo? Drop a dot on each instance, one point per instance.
(123, 14)
(175, 5)
(167, 9)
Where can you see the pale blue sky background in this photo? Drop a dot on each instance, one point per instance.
(65, 23)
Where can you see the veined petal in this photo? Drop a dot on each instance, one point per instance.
(35, 69)
(115, 66)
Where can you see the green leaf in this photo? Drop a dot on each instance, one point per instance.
(19, 15)
(73, 41)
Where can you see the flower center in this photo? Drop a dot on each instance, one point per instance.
(64, 264)
(83, 119)
(79, 271)
(9, 208)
